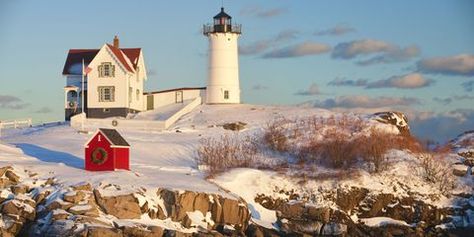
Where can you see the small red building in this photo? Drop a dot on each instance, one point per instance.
(107, 150)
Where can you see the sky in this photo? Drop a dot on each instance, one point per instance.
(351, 56)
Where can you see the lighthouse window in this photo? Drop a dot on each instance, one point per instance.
(226, 95)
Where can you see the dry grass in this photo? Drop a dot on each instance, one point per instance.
(225, 152)
(275, 137)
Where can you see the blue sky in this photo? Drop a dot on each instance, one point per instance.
(413, 56)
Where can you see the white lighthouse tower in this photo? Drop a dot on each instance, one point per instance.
(223, 85)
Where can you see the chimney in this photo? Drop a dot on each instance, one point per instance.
(116, 42)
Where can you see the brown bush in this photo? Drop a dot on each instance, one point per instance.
(373, 149)
(275, 137)
(337, 150)
(225, 152)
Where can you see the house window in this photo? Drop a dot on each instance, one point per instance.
(130, 94)
(106, 93)
(106, 70)
(226, 95)
(138, 94)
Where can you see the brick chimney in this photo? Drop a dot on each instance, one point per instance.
(116, 42)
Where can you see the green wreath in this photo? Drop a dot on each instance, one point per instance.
(99, 156)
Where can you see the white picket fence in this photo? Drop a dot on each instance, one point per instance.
(17, 123)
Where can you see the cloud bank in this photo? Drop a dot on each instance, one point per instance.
(257, 11)
(458, 65)
(336, 31)
(313, 89)
(299, 50)
(385, 52)
(409, 81)
(362, 101)
(12, 102)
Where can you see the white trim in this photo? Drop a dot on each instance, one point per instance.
(114, 146)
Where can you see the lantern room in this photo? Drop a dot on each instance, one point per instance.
(107, 150)
(222, 22)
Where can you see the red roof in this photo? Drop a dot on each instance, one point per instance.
(73, 65)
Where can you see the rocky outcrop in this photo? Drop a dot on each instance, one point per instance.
(236, 126)
(397, 119)
(121, 206)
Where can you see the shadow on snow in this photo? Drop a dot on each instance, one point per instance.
(52, 156)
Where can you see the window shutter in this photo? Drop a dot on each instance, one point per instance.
(100, 70)
(113, 70)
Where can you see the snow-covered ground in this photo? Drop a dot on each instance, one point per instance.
(166, 159)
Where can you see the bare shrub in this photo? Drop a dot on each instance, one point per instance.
(275, 137)
(437, 172)
(373, 149)
(338, 150)
(225, 152)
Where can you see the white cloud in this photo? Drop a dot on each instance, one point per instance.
(299, 50)
(362, 101)
(409, 81)
(257, 11)
(336, 31)
(12, 102)
(385, 52)
(261, 46)
(313, 89)
(462, 64)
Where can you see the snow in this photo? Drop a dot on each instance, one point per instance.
(199, 220)
(382, 221)
(79, 208)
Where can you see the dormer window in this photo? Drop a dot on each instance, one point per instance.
(106, 70)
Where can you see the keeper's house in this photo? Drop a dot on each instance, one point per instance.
(113, 83)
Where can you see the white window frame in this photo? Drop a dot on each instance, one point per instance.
(106, 93)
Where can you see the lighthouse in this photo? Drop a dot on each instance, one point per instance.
(223, 85)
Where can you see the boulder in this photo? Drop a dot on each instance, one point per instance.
(460, 169)
(121, 206)
(16, 207)
(83, 186)
(85, 209)
(236, 126)
(293, 210)
(348, 199)
(20, 189)
(12, 176)
(97, 231)
(395, 118)
(4, 169)
(321, 214)
(74, 196)
(59, 204)
(60, 214)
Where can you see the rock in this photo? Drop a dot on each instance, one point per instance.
(4, 169)
(84, 186)
(59, 204)
(259, 231)
(236, 126)
(292, 210)
(397, 119)
(333, 229)
(321, 214)
(122, 206)
(40, 196)
(5, 183)
(156, 230)
(460, 170)
(90, 220)
(19, 188)
(74, 196)
(86, 210)
(19, 208)
(5, 194)
(374, 205)
(136, 231)
(174, 233)
(469, 161)
(60, 214)
(97, 231)
(12, 176)
(347, 200)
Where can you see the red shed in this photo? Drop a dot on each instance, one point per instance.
(107, 150)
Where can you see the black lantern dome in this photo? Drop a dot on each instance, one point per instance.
(222, 24)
